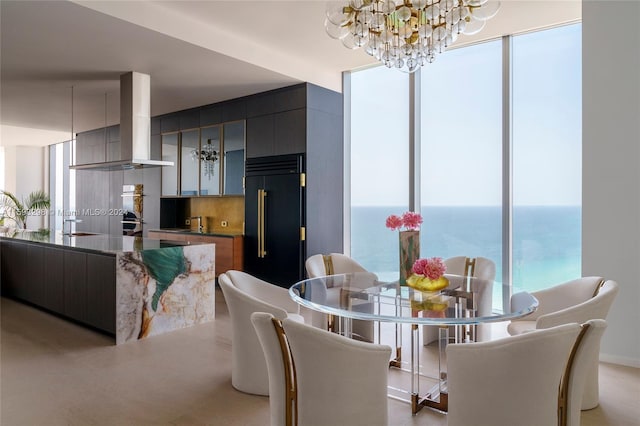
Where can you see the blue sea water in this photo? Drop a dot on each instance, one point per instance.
(546, 240)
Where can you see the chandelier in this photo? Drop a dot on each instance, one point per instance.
(208, 156)
(406, 34)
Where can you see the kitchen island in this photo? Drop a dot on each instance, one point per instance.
(229, 247)
(130, 287)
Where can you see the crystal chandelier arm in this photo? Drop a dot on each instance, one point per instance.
(406, 35)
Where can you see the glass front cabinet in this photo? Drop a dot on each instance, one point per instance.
(208, 161)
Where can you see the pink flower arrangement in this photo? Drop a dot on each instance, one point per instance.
(409, 220)
(432, 268)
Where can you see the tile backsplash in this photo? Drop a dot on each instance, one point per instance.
(215, 211)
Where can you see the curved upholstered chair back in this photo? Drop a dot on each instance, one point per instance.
(263, 290)
(320, 265)
(319, 378)
(340, 381)
(579, 301)
(584, 355)
(594, 306)
(243, 297)
(510, 381)
(483, 272)
(484, 268)
(329, 264)
(273, 354)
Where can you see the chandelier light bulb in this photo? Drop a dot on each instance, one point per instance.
(208, 156)
(406, 34)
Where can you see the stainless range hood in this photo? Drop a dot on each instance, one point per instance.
(135, 127)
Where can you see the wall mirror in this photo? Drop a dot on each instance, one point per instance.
(189, 164)
(169, 173)
(210, 161)
(234, 142)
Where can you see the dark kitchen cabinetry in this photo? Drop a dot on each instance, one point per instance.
(304, 120)
(208, 160)
(54, 279)
(14, 263)
(76, 284)
(274, 219)
(101, 292)
(97, 146)
(34, 274)
(277, 134)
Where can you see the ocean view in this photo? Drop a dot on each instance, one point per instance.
(546, 240)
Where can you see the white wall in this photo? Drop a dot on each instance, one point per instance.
(24, 172)
(611, 165)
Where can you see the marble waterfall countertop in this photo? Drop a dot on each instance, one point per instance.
(164, 289)
(103, 243)
(157, 285)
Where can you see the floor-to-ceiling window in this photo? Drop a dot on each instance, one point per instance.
(470, 132)
(461, 153)
(547, 154)
(62, 184)
(379, 166)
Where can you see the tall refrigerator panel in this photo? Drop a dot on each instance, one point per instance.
(274, 247)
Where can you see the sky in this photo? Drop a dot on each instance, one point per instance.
(461, 125)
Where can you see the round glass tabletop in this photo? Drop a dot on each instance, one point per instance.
(466, 300)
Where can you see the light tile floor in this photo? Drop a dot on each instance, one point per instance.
(53, 372)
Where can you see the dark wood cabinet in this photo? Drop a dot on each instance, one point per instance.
(101, 292)
(279, 100)
(290, 132)
(14, 262)
(75, 285)
(280, 133)
(34, 274)
(210, 115)
(53, 280)
(303, 119)
(234, 110)
(190, 119)
(260, 136)
(169, 123)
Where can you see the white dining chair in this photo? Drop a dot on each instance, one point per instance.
(577, 301)
(335, 380)
(585, 352)
(245, 294)
(483, 272)
(279, 367)
(320, 265)
(509, 381)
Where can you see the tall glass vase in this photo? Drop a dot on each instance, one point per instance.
(409, 253)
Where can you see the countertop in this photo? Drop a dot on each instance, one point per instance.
(192, 232)
(103, 243)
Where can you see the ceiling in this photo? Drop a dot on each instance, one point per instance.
(197, 52)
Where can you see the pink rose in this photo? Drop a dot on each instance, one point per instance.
(432, 268)
(419, 266)
(394, 222)
(411, 220)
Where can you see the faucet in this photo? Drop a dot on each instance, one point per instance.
(199, 218)
(70, 221)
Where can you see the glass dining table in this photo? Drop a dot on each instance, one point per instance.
(455, 311)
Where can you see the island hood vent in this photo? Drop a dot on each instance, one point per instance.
(135, 127)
